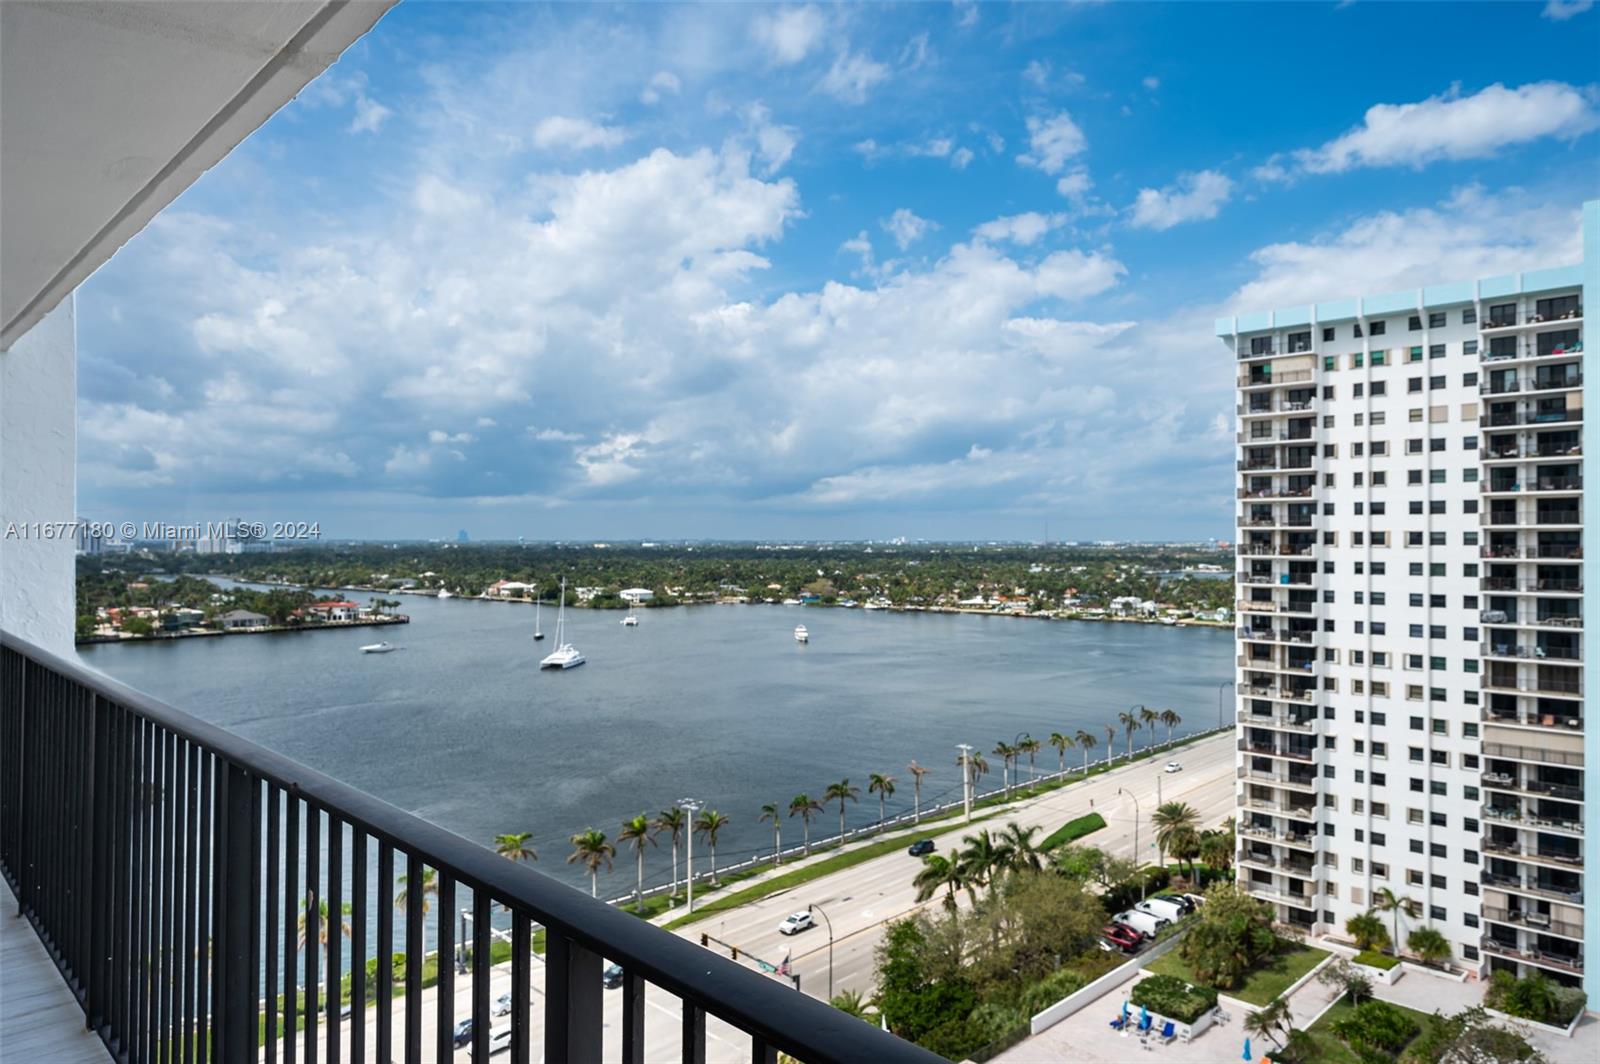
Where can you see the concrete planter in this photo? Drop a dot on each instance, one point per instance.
(1549, 1028)
(1383, 976)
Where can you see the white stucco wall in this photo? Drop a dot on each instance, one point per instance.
(38, 479)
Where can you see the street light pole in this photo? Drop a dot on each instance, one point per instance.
(818, 909)
(1137, 853)
(690, 806)
(966, 780)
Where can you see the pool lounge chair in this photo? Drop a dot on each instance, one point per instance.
(1169, 1032)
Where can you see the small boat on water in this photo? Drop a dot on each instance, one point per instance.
(444, 592)
(801, 635)
(378, 648)
(565, 656)
(631, 620)
(791, 602)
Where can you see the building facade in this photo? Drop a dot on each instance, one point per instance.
(1410, 623)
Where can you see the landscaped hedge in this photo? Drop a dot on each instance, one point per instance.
(1373, 959)
(1537, 997)
(1073, 830)
(1376, 1028)
(1173, 998)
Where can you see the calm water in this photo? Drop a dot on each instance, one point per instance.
(717, 703)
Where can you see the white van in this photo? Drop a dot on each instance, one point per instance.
(1146, 924)
(1165, 908)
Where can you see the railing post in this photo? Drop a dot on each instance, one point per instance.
(572, 1029)
(236, 894)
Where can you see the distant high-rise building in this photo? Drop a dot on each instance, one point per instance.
(1411, 684)
(461, 536)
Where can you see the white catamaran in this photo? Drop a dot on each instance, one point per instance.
(630, 621)
(566, 656)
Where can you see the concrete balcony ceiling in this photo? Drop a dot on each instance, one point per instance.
(108, 111)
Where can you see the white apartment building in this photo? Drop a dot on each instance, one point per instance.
(1411, 659)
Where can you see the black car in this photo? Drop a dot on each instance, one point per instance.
(463, 1034)
(611, 978)
(921, 847)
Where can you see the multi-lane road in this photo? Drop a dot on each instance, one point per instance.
(861, 900)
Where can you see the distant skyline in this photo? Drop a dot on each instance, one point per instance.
(745, 272)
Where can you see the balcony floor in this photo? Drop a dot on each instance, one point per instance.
(39, 1017)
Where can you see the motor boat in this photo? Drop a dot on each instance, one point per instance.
(378, 648)
(801, 635)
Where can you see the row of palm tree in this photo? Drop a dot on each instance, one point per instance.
(1178, 834)
(983, 860)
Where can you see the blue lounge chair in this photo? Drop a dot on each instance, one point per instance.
(1144, 1024)
(1118, 1024)
(1169, 1032)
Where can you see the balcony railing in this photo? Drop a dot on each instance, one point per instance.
(1564, 962)
(161, 860)
(1513, 319)
(1541, 922)
(1528, 417)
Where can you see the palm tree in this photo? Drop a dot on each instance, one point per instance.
(1272, 1020)
(708, 823)
(1385, 900)
(638, 830)
(1169, 819)
(882, 786)
(1130, 724)
(1061, 743)
(979, 859)
(430, 885)
(322, 921)
(852, 1003)
(977, 766)
(917, 772)
(1216, 851)
(1111, 737)
(1171, 719)
(1005, 752)
(1086, 742)
(515, 847)
(1148, 718)
(1185, 846)
(672, 822)
(1429, 946)
(1367, 930)
(941, 873)
(1029, 746)
(592, 848)
(770, 812)
(1016, 849)
(840, 792)
(805, 805)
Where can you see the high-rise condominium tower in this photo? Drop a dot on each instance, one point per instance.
(1412, 601)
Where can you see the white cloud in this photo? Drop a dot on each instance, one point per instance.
(1151, 82)
(551, 435)
(1022, 229)
(960, 158)
(1075, 185)
(915, 53)
(663, 83)
(1195, 197)
(1052, 142)
(1561, 10)
(852, 76)
(576, 134)
(369, 115)
(775, 142)
(966, 12)
(1452, 126)
(1036, 73)
(438, 436)
(790, 33)
(906, 227)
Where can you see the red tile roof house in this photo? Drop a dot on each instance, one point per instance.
(334, 611)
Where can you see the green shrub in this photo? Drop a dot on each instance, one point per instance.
(1173, 998)
(1536, 998)
(1376, 1028)
(1570, 1001)
(1374, 959)
(1073, 830)
(1047, 992)
(955, 1039)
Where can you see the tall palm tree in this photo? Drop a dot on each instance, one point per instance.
(1062, 743)
(1111, 737)
(1184, 844)
(708, 823)
(841, 792)
(430, 885)
(1272, 1021)
(1086, 742)
(638, 830)
(882, 786)
(593, 849)
(1016, 849)
(672, 822)
(806, 806)
(974, 765)
(1170, 718)
(917, 772)
(515, 847)
(1029, 746)
(771, 812)
(1216, 851)
(323, 933)
(1130, 724)
(1169, 818)
(1005, 752)
(941, 873)
(979, 858)
(1148, 718)
(1385, 900)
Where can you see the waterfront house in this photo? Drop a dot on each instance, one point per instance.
(508, 589)
(180, 618)
(334, 611)
(234, 620)
(639, 595)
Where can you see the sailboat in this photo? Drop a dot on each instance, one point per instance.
(538, 633)
(566, 656)
(630, 621)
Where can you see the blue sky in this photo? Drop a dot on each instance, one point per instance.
(763, 271)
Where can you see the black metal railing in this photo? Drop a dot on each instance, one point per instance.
(164, 863)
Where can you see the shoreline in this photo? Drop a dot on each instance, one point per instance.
(271, 629)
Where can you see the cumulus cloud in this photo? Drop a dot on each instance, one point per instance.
(906, 227)
(789, 34)
(662, 83)
(852, 76)
(1025, 228)
(1053, 142)
(369, 116)
(575, 134)
(1561, 10)
(1449, 126)
(1195, 197)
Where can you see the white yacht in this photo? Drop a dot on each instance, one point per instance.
(791, 602)
(801, 635)
(565, 656)
(378, 648)
(444, 592)
(631, 620)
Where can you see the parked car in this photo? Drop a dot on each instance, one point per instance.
(1145, 923)
(611, 978)
(1120, 937)
(499, 1039)
(921, 847)
(1174, 766)
(1167, 908)
(463, 1033)
(1196, 900)
(795, 923)
(502, 1006)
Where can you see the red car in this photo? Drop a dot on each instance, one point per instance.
(1122, 938)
